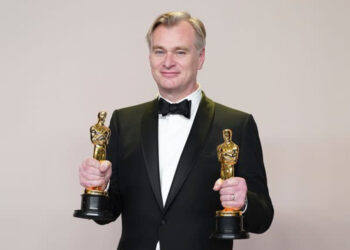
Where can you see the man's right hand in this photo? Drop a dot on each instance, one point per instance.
(93, 173)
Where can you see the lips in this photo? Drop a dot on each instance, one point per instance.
(169, 74)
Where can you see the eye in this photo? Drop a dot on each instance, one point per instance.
(158, 52)
(181, 52)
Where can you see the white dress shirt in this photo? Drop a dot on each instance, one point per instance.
(173, 131)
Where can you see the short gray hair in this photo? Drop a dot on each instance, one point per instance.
(173, 18)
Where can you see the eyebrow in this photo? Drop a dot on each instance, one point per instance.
(182, 48)
(157, 47)
(176, 48)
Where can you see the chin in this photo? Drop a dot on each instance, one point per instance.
(168, 85)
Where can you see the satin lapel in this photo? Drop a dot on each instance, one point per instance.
(149, 140)
(193, 147)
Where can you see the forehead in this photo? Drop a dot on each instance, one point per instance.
(181, 34)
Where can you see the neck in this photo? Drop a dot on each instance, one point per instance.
(175, 96)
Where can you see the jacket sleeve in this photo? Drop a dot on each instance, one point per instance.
(259, 213)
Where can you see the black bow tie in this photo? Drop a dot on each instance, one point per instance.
(181, 108)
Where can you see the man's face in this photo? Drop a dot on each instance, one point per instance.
(175, 60)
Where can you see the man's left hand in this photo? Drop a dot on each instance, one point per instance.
(233, 192)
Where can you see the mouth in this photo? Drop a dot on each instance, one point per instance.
(169, 74)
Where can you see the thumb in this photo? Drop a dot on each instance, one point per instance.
(105, 165)
(217, 185)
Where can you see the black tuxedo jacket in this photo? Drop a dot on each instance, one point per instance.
(188, 217)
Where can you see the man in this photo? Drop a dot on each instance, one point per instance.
(163, 166)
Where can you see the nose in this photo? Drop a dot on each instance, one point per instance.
(168, 61)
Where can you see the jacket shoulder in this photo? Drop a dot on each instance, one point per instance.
(222, 111)
(136, 108)
(133, 112)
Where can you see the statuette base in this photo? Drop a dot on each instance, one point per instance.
(229, 227)
(93, 206)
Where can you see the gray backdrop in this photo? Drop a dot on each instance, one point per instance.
(285, 61)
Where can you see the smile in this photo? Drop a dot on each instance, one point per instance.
(169, 74)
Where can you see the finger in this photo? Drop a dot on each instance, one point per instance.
(236, 197)
(105, 166)
(233, 181)
(108, 175)
(96, 183)
(91, 183)
(239, 194)
(89, 170)
(227, 197)
(229, 190)
(87, 181)
(89, 176)
(91, 162)
(232, 204)
(217, 184)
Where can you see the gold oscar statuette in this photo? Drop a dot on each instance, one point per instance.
(95, 199)
(99, 135)
(229, 221)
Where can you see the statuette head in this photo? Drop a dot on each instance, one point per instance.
(102, 116)
(227, 135)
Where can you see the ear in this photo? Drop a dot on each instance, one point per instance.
(201, 59)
